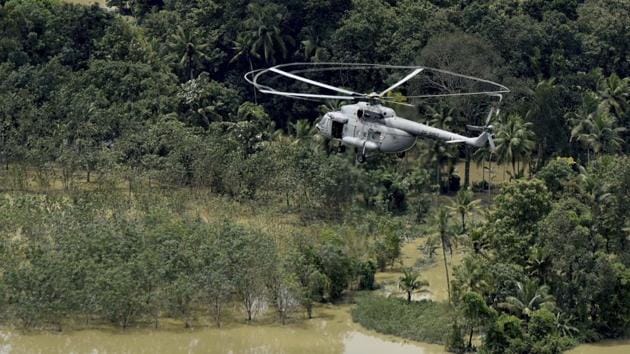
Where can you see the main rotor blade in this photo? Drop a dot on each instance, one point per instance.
(313, 82)
(398, 103)
(307, 95)
(405, 79)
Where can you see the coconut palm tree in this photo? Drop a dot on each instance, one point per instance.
(187, 50)
(599, 132)
(593, 193)
(538, 263)
(430, 247)
(581, 119)
(439, 153)
(480, 156)
(302, 130)
(410, 282)
(442, 230)
(515, 141)
(528, 298)
(263, 25)
(463, 205)
(614, 93)
(563, 325)
(312, 45)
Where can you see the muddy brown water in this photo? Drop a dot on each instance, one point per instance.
(332, 331)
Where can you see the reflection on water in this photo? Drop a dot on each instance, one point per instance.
(331, 332)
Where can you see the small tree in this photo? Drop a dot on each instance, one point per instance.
(410, 282)
(476, 312)
(464, 205)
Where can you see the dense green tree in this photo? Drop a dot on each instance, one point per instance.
(476, 313)
(519, 207)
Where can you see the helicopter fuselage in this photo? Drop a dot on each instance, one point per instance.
(373, 127)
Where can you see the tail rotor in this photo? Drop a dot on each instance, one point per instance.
(488, 128)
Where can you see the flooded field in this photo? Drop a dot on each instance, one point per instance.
(332, 331)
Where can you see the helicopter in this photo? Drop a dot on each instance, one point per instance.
(368, 125)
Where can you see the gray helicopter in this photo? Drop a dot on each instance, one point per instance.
(368, 125)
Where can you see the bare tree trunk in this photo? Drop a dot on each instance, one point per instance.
(251, 67)
(448, 282)
(467, 168)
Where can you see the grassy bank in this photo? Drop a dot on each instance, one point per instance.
(424, 321)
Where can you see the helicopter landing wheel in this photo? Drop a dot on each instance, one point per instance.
(361, 158)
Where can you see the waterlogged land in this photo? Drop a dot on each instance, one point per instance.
(332, 331)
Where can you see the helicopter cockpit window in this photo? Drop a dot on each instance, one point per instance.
(372, 115)
(360, 113)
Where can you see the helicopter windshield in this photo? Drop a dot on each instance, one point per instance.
(368, 114)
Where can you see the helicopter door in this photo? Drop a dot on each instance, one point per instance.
(337, 130)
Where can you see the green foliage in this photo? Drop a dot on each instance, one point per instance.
(424, 321)
(512, 226)
(366, 271)
(557, 174)
(505, 335)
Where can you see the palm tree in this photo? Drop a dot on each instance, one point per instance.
(330, 106)
(480, 156)
(538, 263)
(430, 247)
(243, 47)
(187, 49)
(410, 282)
(470, 276)
(614, 93)
(563, 325)
(515, 141)
(441, 225)
(464, 204)
(263, 25)
(313, 48)
(594, 193)
(599, 132)
(529, 297)
(440, 153)
(581, 119)
(302, 130)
